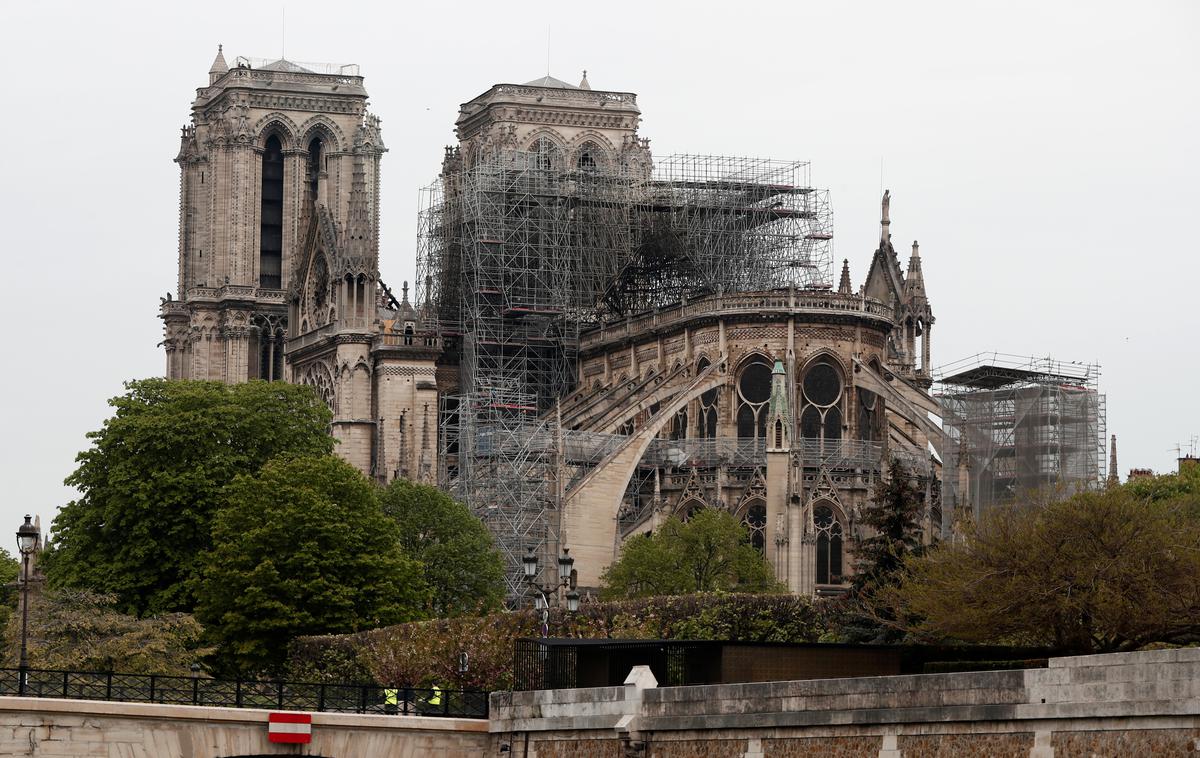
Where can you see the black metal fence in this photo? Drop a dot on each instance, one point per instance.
(223, 693)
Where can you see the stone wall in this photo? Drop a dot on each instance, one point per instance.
(1128, 704)
(61, 728)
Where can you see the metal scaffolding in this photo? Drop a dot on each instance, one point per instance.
(519, 254)
(1016, 427)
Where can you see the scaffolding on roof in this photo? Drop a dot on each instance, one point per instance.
(520, 253)
(1017, 427)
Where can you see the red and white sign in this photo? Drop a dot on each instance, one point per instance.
(289, 727)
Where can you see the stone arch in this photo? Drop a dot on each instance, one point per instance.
(834, 358)
(546, 148)
(688, 506)
(752, 512)
(319, 376)
(591, 135)
(321, 125)
(545, 133)
(590, 156)
(597, 499)
(278, 124)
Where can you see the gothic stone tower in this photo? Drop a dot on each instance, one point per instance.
(278, 257)
(264, 147)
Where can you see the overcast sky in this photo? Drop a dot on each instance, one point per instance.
(1044, 154)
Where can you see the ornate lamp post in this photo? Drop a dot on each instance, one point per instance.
(27, 542)
(566, 578)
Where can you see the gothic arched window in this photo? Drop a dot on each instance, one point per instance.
(753, 392)
(589, 157)
(314, 168)
(869, 410)
(755, 522)
(821, 395)
(270, 240)
(545, 154)
(679, 425)
(829, 545)
(689, 509)
(709, 402)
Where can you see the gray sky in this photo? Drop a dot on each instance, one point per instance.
(1044, 154)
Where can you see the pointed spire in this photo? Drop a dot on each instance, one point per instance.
(583, 84)
(845, 288)
(914, 281)
(219, 66)
(1113, 477)
(404, 291)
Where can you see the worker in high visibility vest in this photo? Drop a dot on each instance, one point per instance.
(435, 699)
(391, 700)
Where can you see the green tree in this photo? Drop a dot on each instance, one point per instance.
(1098, 572)
(892, 519)
(151, 482)
(302, 547)
(77, 630)
(461, 565)
(709, 552)
(10, 572)
(1182, 487)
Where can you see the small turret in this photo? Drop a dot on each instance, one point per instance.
(845, 287)
(219, 67)
(914, 280)
(583, 84)
(1113, 477)
(778, 410)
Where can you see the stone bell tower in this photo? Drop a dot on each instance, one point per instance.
(277, 158)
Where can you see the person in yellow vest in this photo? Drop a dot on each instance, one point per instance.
(433, 703)
(391, 700)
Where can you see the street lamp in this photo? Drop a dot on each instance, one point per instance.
(27, 542)
(566, 578)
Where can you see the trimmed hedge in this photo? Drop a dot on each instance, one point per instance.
(423, 653)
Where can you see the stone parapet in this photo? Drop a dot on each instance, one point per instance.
(1145, 703)
(59, 728)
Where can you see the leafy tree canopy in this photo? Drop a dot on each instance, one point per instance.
(151, 482)
(711, 551)
(10, 572)
(1183, 487)
(461, 565)
(1098, 572)
(77, 630)
(302, 547)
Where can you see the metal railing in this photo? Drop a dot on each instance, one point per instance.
(223, 693)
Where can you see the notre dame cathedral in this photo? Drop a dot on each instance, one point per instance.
(596, 344)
